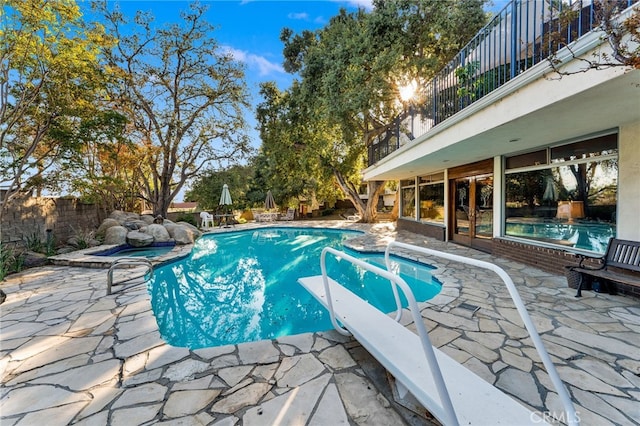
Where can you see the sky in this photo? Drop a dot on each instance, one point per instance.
(250, 29)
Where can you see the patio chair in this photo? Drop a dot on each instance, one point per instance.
(291, 213)
(206, 220)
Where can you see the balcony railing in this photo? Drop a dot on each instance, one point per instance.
(523, 34)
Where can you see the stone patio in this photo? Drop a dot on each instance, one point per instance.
(72, 355)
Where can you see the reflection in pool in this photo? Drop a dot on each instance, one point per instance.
(242, 286)
(586, 236)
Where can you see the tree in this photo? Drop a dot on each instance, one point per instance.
(288, 159)
(183, 95)
(351, 72)
(51, 85)
(107, 170)
(206, 190)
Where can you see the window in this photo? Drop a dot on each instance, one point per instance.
(431, 198)
(568, 201)
(408, 200)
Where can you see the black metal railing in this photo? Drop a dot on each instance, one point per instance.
(523, 34)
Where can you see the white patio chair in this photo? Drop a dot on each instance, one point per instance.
(291, 213)
(206, 220)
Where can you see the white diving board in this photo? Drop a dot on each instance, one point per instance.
(449, 391)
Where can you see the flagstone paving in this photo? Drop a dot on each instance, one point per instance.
(70, 354)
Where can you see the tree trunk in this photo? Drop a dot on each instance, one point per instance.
(368, 211)
(395, 212)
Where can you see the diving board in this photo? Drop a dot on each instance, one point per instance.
(448, 390)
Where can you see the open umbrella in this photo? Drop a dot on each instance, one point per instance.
(225, 197)
(269, 202)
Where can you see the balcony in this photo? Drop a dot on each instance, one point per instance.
(523, 34)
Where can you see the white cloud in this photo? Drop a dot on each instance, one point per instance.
(298, 15)
(365, 4)
(262, 64)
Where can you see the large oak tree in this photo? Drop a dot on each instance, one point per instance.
(184, 96)
(351, 72)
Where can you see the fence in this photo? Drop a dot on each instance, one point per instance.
(31, 217)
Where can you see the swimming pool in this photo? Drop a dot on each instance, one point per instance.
(242, 286)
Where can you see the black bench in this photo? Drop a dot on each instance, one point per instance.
(621, 264)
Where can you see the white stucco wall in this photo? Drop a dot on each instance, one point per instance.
(629, 182)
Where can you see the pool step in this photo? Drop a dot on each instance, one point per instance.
(128, 263)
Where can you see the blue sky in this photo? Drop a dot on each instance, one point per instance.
(250, 29)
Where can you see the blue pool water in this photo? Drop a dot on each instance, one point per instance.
(242, 286)
(158, 249)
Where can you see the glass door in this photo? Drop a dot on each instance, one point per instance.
(472, 222)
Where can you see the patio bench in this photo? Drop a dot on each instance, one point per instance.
(620, 264)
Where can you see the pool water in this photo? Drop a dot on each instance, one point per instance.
(242, 286)
(129, 251)
(143, 252)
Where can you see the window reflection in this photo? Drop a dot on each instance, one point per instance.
(571, 205)
(409, 202)
(432, 203)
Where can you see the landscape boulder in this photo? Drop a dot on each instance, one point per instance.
(33, 259)
(159, 232)
(143, 230)
(181, 234)
(147, 218)
(139, 239)
(116, 235)
(106, 224)
(123, 217)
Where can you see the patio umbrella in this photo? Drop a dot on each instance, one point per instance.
(269, 202)
(225, 197)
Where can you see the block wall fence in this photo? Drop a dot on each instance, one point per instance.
(26, 217)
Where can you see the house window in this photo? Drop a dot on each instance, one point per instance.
(431, 198)
(408, 194)
(569, 200)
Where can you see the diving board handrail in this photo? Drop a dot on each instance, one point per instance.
(572, 417)
(396, 280)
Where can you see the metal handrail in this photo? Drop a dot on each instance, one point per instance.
(572, 417)
(395, 280)
(128, 262)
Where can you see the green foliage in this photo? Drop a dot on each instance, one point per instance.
(207, 188)
(81, 238)
(187, 217)
(51, 81)
(468, 85)
(33, 241)
(50, 245)
(350, 74)
(11, 261)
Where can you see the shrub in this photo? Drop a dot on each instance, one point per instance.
(10, 261)
(33, 242)
(187, 217)
(81, 239)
